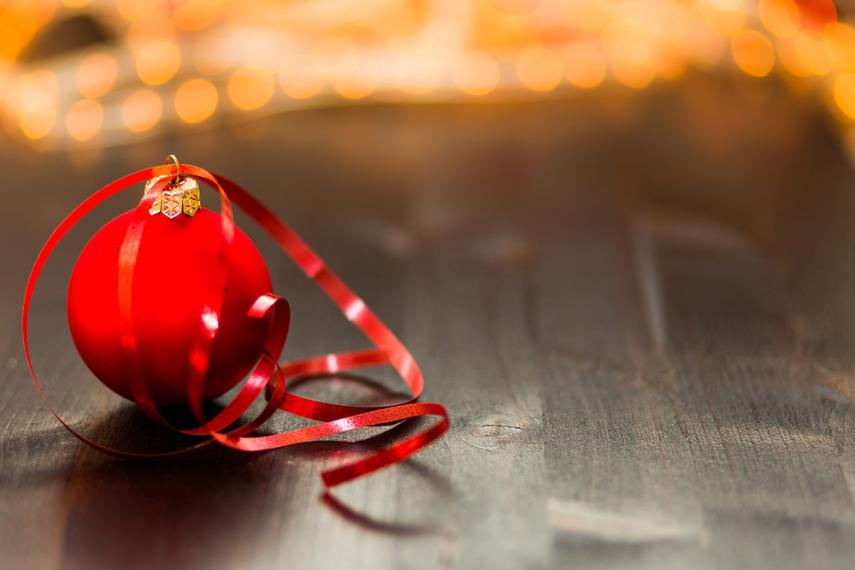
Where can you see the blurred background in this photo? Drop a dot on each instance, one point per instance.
(97, 73)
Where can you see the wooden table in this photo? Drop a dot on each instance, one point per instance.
(638, 309)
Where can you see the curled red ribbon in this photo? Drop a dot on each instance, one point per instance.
(268, 377)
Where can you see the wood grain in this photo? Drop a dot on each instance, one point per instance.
(636, 307)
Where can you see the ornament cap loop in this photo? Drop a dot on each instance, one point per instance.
(171, 158)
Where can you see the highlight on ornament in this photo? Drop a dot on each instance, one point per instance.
(149, 341)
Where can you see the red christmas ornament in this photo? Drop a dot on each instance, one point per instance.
(172, 304)
(172, 286)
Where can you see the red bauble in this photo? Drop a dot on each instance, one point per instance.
(172, 284)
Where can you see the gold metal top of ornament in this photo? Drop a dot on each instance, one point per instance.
(180, 196)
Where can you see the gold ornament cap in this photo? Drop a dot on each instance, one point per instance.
(180, 196)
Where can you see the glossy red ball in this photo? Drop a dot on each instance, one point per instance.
(173, 282)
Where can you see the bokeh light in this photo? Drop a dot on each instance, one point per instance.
(196, 100)
(136, 10)
(629, 47)
(38, 88)
(779, 17)
(539, 69)
(727, 17)
(196, 15)
(585, 65)
(10, 41)
(586, 14)
(157, 61)
(842, 38)
(356, 88)
(251, 87)
(814, 51)
(753, 53)
(37, 121)
(791, 61)
(141, 110)
(300, 86)
(96, 74)
(844, 93)
(84, 119)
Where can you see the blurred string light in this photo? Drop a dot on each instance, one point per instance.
(844, 93)
(584, 65)
(196, 100)
(539, 68)
(84, 119)
(250, 88)
(753, 53)
(96, 74)
(157, 61)
(191, 61)
(141, 110)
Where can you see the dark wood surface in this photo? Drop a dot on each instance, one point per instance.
(637, 308)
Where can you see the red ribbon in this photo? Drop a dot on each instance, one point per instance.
(268, 377)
